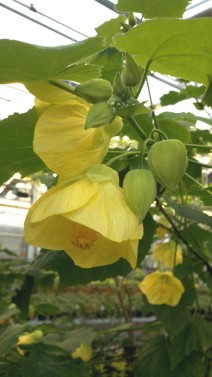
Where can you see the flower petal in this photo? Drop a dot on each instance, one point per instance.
(61, 141)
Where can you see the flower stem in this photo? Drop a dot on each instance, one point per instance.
(120, 156)
(143, 79)
(136, 126)
(197, 183)
(62, 86)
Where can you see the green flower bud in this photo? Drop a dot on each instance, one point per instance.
(140, 190)
(118, 87)
(167, 159)
(99, 114)
(95, 90)
(132, 72)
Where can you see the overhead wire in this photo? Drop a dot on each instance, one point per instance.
(37, 22)
(33, 9)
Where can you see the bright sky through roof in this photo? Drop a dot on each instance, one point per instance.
(83, 16)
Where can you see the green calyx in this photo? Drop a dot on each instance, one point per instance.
(167, 160)
(95, 90)
(140, 189)
(100, 113)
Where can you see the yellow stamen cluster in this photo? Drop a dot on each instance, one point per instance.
(82, 237)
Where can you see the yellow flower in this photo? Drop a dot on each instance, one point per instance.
(162, 288)
(87, 217)
(84, 352)
(168, 253)
(161, 232)
(28, 338)
(61, 141)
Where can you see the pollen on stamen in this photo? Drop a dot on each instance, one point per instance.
(82, 237)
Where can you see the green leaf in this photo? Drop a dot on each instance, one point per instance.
(145, 243)
(9, 337)
(172, 128)
(23, 295)
(154, 8)
(16, 153)
(71, 340)
(110, 28)
(22, 62)
(191, 366)
(190, 91)
(208, 95)
(41, 364)
(192, 213)
(133, 110)
(110, 59)
(70, 274)
(180, 48)
(47, 309)
(154, 359)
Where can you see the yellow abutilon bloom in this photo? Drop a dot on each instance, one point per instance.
(84, 352)
(162, 288)
(61, 141)
(28, 338)
(168, 253)
(89, 218)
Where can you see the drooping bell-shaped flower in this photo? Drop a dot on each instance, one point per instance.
(162, 288)
(63, 143)
(87, 217)
(168, 253)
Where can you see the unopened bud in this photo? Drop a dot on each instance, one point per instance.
(99, 114)
(132, 19)
(95, 90)
(118, 86)
(132, 72)
(140, 189)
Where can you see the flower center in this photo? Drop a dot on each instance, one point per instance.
(82, 237)
(163, 288)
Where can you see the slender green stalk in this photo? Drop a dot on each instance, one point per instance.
(137, 128)
(120, 156)
(200, 163)
(208, 147)
(62, 86)
(143, 79)
(197, 183)
(152, 106)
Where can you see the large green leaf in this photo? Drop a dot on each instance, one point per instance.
(9, 337)
(174, 97)
(111, 61)
(153, 360)
(16, 153)
(192, 213)
(20, 62)
(154, 8)
(181, 48)
(70, 274)
(41, 364)
(71, 340)
(110, 28)
(173, 129)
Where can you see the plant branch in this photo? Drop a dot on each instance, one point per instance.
(127, 317)
(180, 236)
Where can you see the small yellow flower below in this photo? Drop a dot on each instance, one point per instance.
(162, 288)
(28, 338)
(168, 253)
(84, 352)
